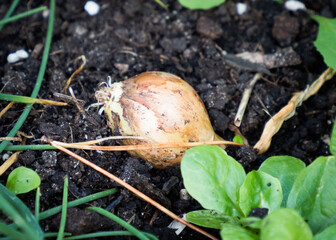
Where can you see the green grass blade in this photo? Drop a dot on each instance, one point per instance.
(121, 222)
(22, 15)
(78, 202)
(165, 6)
(10, 11)
(40, 76)
(108, 234)
(10, 232)
(64, 208)
(15, 98)
(15, 209)
(30, 147)
(37, 203)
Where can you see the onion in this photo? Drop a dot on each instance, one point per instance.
(161, 108)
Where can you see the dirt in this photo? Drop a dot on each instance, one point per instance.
(133, 36)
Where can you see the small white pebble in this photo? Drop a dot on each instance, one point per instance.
(241, 8)
(45, 13)
(13, 58)
(293, 5)
(5, 157)
(92, 8)
(17, 56)
(22, 54)
(179, 227)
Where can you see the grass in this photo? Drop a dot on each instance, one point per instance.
(25, 225)
(40, 76)
(21, 15)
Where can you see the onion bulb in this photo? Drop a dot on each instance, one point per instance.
(159, 107)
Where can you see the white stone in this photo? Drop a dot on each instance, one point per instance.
(241, 8)
(45, 13)
(17, 56)
(5, 157)
(177, 226)
(13, 58)
(293, 5)
(22, 54)
(92, 8)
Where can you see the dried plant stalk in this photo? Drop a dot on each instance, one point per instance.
(78, 70)
(245, 99)
(9, 162)
(6, 108)
(275, 123)
(87, 145)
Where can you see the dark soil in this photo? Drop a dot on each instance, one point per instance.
(133, 36)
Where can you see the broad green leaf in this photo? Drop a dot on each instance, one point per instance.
(234, 232)
(210, 219)
(200, 4)
(333, 140)
(329, 233)
(260, 190)
(23, 180)
(285, 223)
(314, 193)
(285, 169)
(325, 42)
(213, 178)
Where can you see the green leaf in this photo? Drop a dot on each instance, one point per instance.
(333, 140)
(328, 233)
(24, 220)
(325, 42)
(210, 218)
(286, 224)
(213, 178)
(238, 139)
(251, 222)
(260, 190)
(314, 194)
(200, 4)
(233, 232)
(23, 180)
(285, 169)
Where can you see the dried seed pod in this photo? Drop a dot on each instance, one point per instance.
(160, 107)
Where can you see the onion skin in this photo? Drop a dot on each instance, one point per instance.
(160, 107)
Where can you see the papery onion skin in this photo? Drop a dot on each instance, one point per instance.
(160, 107)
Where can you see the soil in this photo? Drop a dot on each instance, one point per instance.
(129, 37)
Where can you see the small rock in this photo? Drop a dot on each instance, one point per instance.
(92, 8)
(17, 56)
(241, 8)
(27, 157)
(184, 195)
(293, 5)
(209, 28)
(170, 184)
(49, 158)
(285, 28)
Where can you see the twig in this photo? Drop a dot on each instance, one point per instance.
(132, 189)
(275, 123)
(9, 162)
(78, 70)
(245, 99)
(141, 146)
(6, 108)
